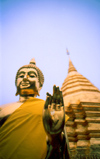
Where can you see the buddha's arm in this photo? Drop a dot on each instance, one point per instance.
(3, 119)
(54, 122)
(7, 110)
(58, 148)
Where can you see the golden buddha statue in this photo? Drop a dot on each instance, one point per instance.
(33, 128)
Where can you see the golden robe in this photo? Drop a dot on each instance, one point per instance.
(23, 136)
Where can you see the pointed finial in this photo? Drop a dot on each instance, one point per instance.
(67, 51)
(33, 61)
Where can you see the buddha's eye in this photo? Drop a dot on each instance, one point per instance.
(21, 76)
(32, 76)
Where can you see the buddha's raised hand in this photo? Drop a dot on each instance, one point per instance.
(53, 113)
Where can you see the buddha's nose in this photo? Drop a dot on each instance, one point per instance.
(25, 77)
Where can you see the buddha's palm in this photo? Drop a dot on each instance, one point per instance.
(53, 113)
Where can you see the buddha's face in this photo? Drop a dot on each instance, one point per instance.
(27, 81)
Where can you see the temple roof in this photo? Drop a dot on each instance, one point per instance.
(78, 88)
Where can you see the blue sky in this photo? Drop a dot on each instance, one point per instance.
(43, 29)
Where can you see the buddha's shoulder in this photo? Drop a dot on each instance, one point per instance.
(9, 108)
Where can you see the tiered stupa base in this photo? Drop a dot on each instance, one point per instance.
(83, 129)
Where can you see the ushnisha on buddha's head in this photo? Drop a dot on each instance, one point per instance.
(29, 80)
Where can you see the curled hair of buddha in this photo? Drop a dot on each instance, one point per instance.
(32, 64)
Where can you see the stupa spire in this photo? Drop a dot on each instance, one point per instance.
(71, 66)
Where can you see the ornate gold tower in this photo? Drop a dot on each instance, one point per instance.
(82, 104)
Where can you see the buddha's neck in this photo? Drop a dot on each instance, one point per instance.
(24, 98)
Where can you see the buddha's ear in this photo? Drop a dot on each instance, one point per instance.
(39, 91)
(17, 92)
